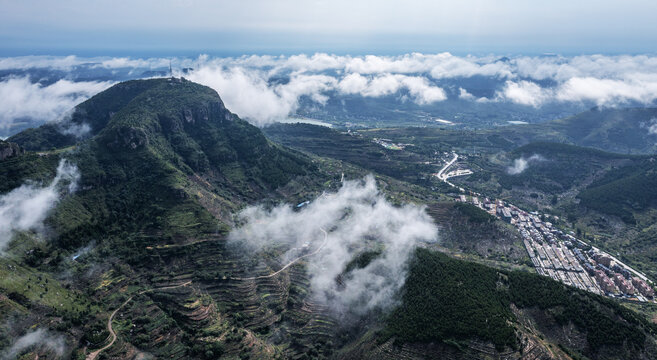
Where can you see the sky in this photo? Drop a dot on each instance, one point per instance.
(190, 27)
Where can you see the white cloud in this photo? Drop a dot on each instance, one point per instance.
(248, 93)
(264, 89)
(561, 69)
(26, 207)
(607, 91)
(652, 126)
(32, 62)
(67, 63)
(524, 93)
(422, 92)
(124, 62)
(465, 95)
(521, 164)
(601, 80)
(39, 338)
(20, 98)
(419, 88)
(358, 218)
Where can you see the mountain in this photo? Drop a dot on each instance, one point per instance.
(126, 209)
(164, 166)
(625, 131)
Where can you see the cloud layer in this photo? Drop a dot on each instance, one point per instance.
(357, 218)
(20, 98)
(246, 82)
(26, 207)
(264, 89)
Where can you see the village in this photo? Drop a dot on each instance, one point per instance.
(567, 259)
(558, 253)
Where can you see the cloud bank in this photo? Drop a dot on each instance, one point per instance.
(20, 98)
(251, 94)
(264, 89)
(357, 218)
(521, 164)
(528, 81)
(26, 207)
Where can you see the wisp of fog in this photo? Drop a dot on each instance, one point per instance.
(521, 164)
(26, 207)
(38, 338)
(357, 218)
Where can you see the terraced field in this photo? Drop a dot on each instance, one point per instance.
(232, 283)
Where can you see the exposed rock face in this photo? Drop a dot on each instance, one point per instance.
(8, 149)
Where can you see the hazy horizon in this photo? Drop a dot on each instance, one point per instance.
(190, 27)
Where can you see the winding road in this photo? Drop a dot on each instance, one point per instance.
(440, 174)
(288, 264)
(93, 355)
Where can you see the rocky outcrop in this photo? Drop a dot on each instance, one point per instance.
(8, 150)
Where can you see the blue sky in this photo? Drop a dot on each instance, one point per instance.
(189, 27)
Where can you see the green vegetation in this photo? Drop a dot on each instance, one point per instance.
(326, 142)
(445, 299)
(623, 191)
(16, 170)
(560, 167)
(474, 213)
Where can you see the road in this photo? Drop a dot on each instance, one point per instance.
(443, 177)
(288, 264)
(449, 163)
(93, 355)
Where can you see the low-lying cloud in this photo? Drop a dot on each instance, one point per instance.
(357, 218)
(521, 164)
(652, 126)
(39, 339)
(26, 207)
(601, 92)
(251, 95)
(265, 89)
(20, 98)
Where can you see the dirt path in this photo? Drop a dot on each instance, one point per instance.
(288, 264)
(93, 355)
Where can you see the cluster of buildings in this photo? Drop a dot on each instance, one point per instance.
(616, 279)
(388, 144)
(565, 258)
